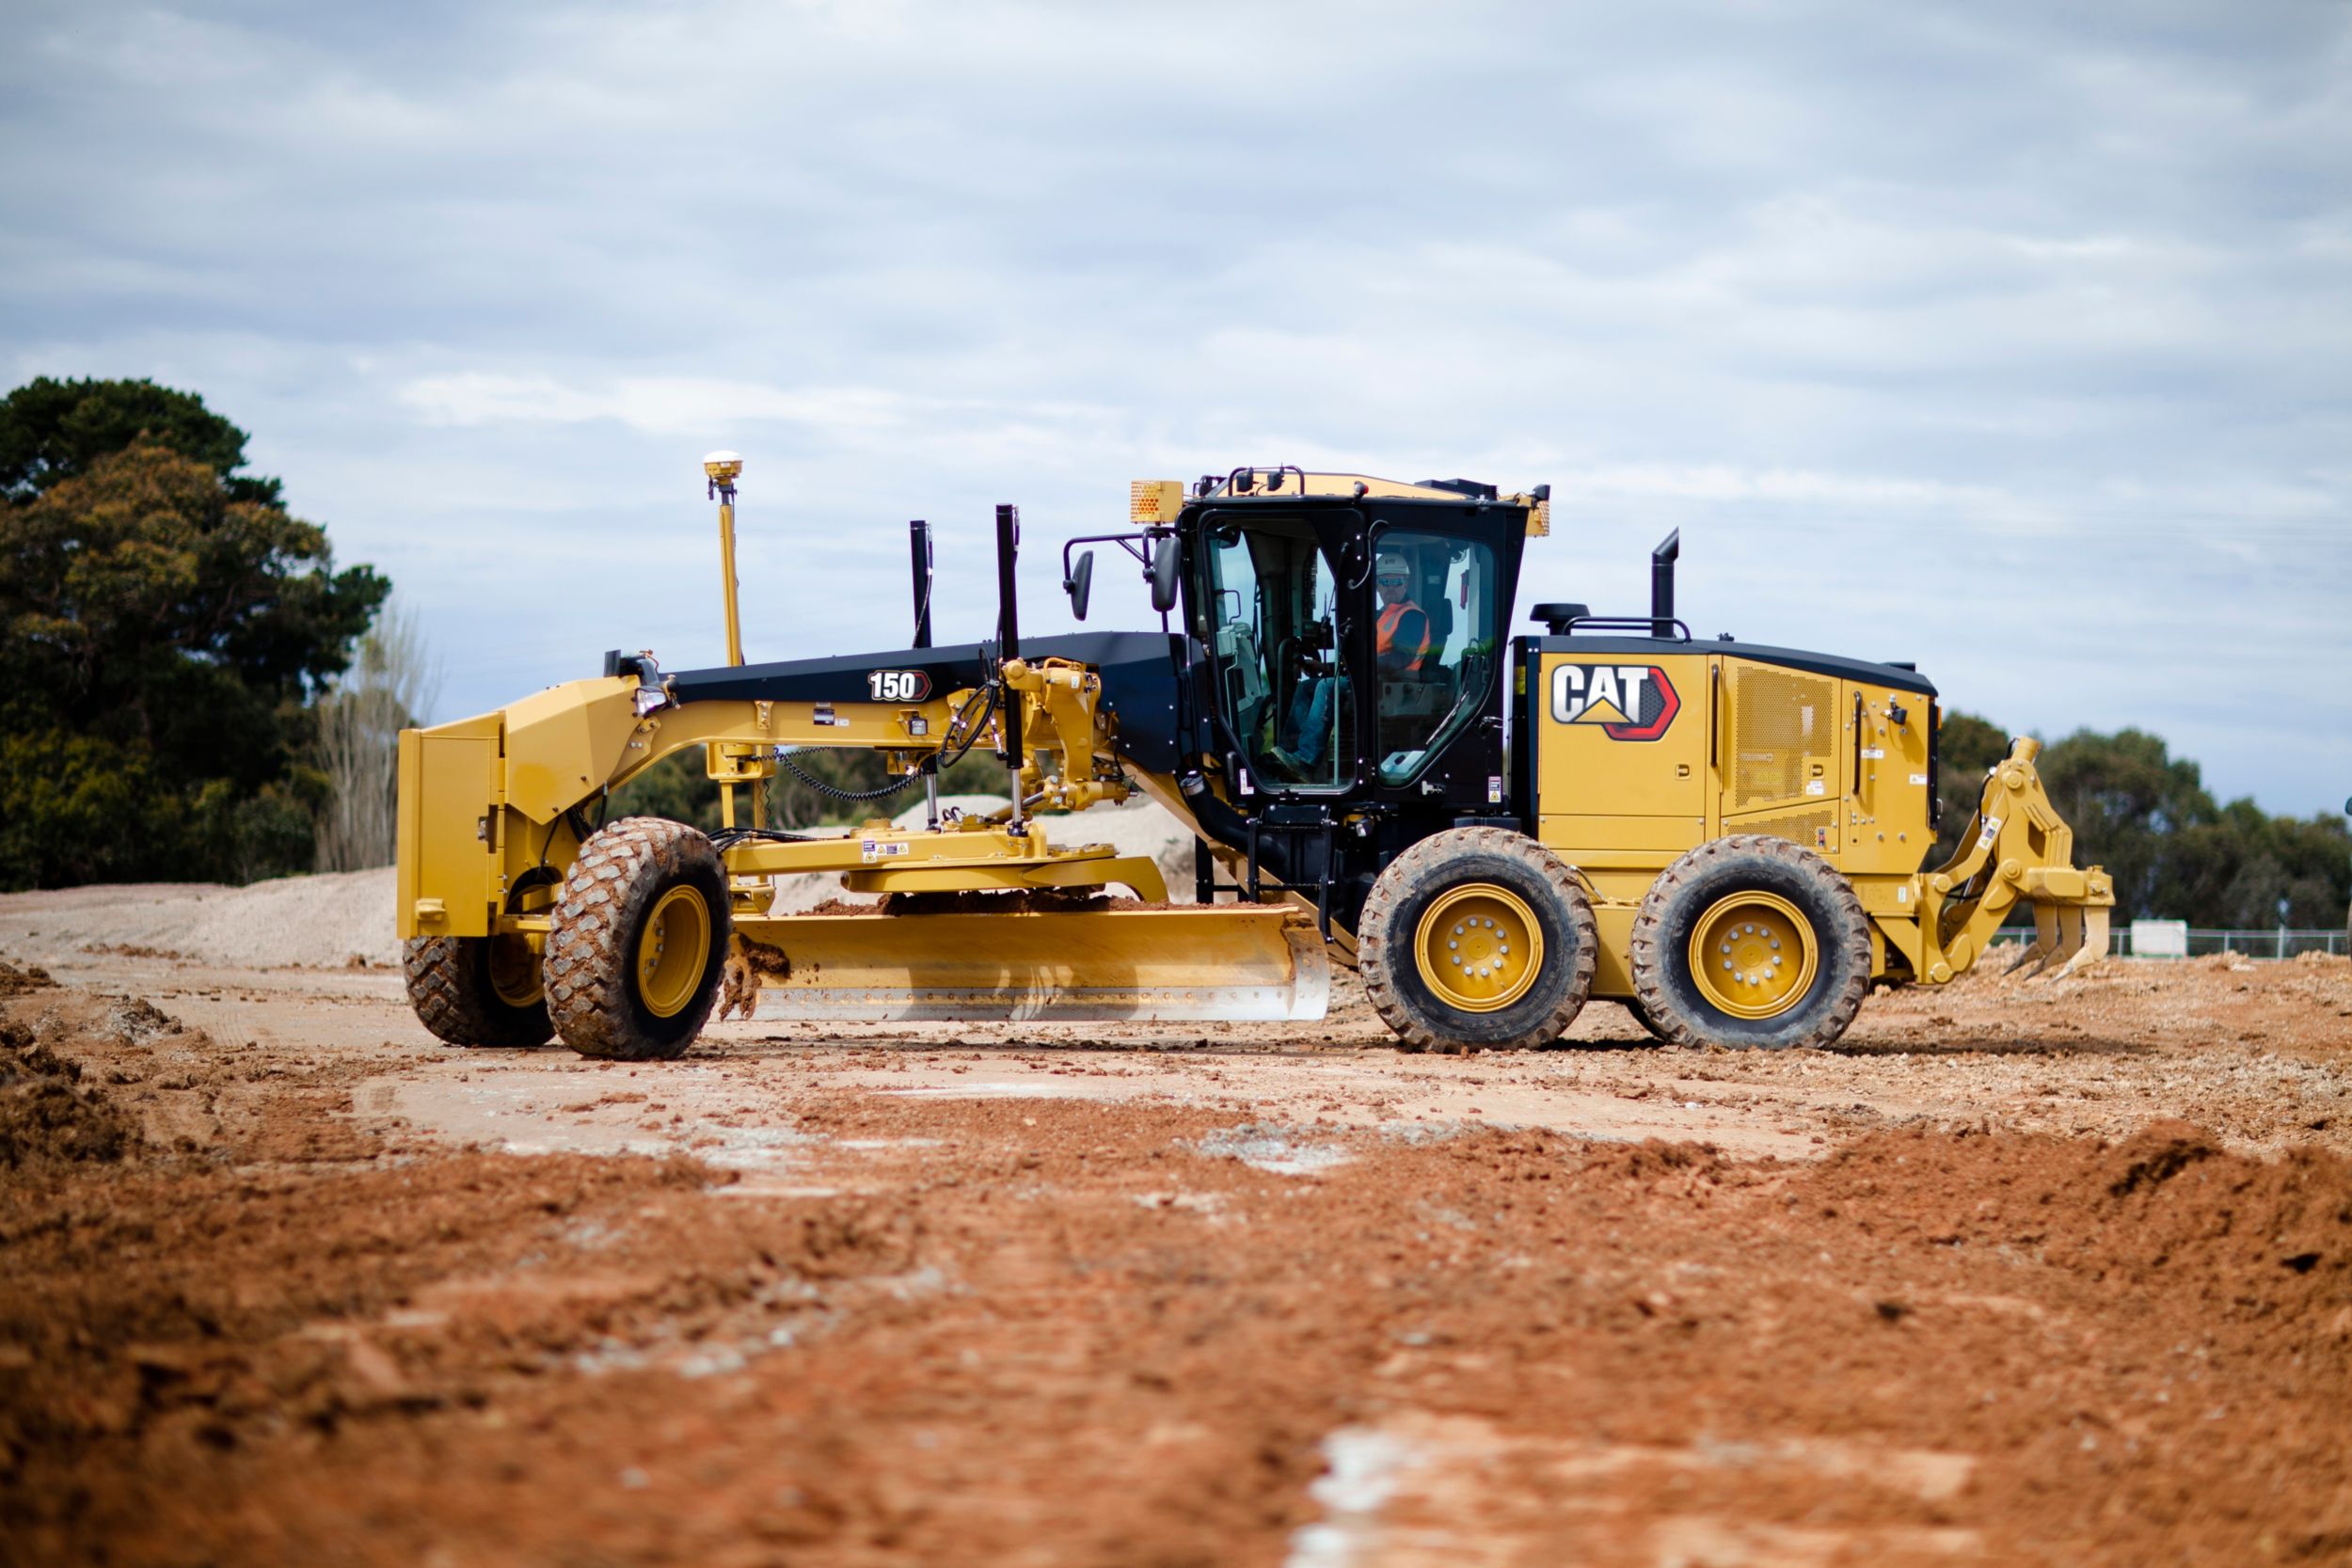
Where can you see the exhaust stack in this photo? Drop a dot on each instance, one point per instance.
(919, 549)
(1662, 584)
(1008, 643)
(919, 554)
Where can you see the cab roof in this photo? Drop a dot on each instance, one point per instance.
(1287, 482)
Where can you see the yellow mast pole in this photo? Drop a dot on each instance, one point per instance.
(721, 470)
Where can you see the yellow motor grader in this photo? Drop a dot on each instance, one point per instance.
(1492, 829)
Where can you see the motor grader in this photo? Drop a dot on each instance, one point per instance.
(1492, 829)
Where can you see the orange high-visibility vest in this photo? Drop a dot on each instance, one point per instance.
(1392, 617)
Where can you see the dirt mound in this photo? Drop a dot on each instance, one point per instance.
(317, 922)
(2216, 1246)
(16, 982)
(48, 1114)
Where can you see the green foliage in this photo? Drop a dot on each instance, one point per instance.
(2148, 818)
(55, 430)
(165, 631)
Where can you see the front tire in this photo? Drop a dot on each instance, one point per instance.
(639, 940)
(1477, 938)
(481, 993)
(1751, 941)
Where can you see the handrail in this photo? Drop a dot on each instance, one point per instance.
(1635, 623)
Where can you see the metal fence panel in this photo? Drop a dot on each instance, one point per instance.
(2251, 944)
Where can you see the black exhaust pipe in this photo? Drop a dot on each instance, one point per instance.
(1009, 643)
(919, 549)
(1662, 584)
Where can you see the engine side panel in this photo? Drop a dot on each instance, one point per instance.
(1640, 750)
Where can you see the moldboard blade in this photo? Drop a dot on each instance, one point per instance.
(1234, 963)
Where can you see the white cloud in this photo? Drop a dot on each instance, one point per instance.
(661, 404)
(1964, 330)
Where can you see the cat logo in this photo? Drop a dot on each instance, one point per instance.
(1629, 701)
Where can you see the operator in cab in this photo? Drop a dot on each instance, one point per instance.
(1401, 643)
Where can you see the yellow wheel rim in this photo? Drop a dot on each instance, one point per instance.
(672, 951)
(515, 972)
(1478, 947)
(1753, 955)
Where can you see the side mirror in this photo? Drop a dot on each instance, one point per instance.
(1081, 584)
(1163, 568)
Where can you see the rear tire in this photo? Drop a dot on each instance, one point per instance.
(481, 993)
(1477, 938)
(1641, 1016)
(639, 939)
(1751, 942)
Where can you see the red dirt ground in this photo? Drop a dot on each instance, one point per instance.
(1000, 1298)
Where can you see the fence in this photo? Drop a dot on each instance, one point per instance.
(2277, 942)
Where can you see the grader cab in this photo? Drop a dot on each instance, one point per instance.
(1493, 830)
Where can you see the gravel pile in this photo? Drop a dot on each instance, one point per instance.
(312, 922)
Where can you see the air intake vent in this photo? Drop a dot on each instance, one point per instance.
(1784, 723)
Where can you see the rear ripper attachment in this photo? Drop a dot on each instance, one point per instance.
(1726, 838)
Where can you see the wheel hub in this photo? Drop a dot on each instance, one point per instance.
(1478, 947)
(672, 951)
(515, 972)
(1753, 954)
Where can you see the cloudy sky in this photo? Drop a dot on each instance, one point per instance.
(2015, 344)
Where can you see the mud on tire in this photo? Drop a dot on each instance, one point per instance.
(477, 991)
(616, 988)
(1484, 880)
(1785, 935)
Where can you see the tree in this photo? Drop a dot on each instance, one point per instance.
(56, 430)
(359, 721)
(2148, 818)
(165, 630)
(2137, 807)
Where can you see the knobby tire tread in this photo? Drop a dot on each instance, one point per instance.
(1654, 963)
(452, 998)
(590, 958)
(1423, 867)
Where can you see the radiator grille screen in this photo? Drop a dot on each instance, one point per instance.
(1785, 720)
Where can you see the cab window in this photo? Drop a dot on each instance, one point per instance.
(1434, 645)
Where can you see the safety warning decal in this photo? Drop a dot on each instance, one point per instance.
(1629, 701)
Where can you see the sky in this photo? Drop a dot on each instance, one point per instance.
(2011, 339)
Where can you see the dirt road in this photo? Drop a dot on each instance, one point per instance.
(2055, 1274)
